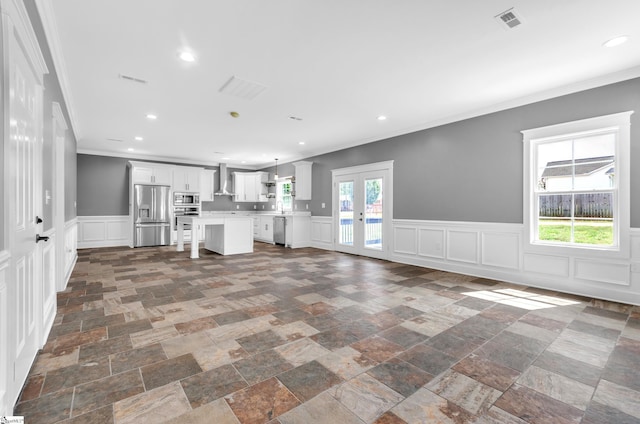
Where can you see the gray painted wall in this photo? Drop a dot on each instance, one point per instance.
(53, 93)
(103, 185)
(469, 170)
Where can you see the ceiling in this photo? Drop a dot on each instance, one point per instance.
(330, 68)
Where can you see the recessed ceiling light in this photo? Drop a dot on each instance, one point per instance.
(382, 118)
(151, 116)
(226, 158)
(301, 143)
(187, 56)
(138, 138)
(616, 41)
(130, 149)
(244, 161)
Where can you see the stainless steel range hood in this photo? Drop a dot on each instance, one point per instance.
(225, 187)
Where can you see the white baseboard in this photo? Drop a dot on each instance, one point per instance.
(5, 407)
(103, 231)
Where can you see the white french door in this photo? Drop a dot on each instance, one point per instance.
(362, 209)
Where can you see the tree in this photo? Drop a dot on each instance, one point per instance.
(373, 191)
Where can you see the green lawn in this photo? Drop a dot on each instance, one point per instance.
(584, 233)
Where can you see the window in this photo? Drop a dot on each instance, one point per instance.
(284, 198)
(577, 184)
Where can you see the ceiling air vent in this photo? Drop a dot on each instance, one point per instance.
(509, 19)
(118, 140)
(242, 88)
(132, 79)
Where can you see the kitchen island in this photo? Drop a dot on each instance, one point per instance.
(224, 234)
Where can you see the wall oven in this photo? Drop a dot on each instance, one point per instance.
(186, 199)
(179, 211)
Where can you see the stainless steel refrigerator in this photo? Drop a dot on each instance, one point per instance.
(151, 220)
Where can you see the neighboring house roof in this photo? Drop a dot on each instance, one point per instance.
(565, 168)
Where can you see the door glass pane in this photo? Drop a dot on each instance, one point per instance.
(373, 213)
(346, 213)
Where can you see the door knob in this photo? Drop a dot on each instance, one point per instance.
(41, 238)
(38, 220)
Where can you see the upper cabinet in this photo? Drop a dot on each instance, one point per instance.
(150, 173)
(303, 180)
(207, 185)
(186, 178)
(250, 187)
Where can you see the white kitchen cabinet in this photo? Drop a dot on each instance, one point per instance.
(303, 180)
(207, 185)
(256, 227)
(250, 187)
(265, 228)
(186, 178)
(150, 173)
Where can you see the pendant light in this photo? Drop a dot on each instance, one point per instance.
(275, 177)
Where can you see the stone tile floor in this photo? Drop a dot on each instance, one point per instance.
(309, 336)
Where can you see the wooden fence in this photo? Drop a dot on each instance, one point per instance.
(587, 205)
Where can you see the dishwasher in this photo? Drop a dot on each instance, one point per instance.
(279, 231)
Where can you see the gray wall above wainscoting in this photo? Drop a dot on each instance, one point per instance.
(470, 170)
(103, 186)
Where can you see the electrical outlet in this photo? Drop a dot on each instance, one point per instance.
(237, 206)
(322, 205)
(262, 206)
(307, 206)
(255, 206)
(273, 207)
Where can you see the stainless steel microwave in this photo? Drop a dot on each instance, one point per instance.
(186, 199)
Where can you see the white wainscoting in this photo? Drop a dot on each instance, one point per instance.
(322, 232)
(70, 250)
(496, 251)
(5, 409)
(49, 272)
(103, 231)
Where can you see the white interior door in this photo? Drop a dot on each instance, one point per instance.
(362, 210)
(24, 195)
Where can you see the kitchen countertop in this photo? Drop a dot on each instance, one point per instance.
(253, 213)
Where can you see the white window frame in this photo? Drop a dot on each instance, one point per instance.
(620, 124)
(280, 196)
